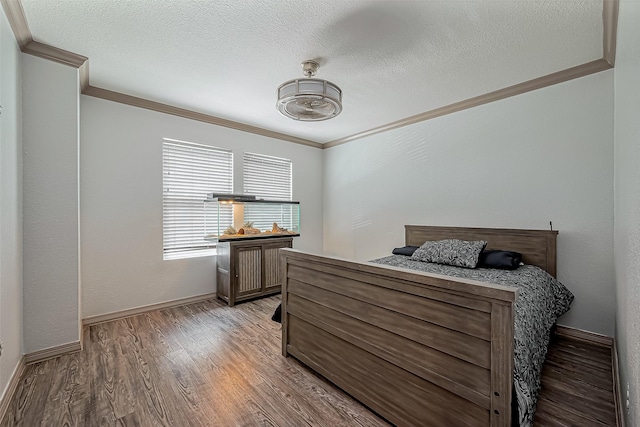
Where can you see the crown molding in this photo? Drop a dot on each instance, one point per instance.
(54, 54)
(15, 14)
(520, 88)
(610, 10)
(193, 115)
(18, 21)
(609, 30)
(83, 76)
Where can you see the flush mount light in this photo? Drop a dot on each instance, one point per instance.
(308, 99)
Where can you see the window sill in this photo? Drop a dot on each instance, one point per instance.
(189, 254)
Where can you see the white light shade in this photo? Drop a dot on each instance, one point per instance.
(309, 99)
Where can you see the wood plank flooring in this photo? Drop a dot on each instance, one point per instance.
(202, 364)
(576, 385)
(205, 364)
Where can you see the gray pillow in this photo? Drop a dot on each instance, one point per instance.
(459, 253)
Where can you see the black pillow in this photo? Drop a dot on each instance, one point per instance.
(505, 260)
(406, 250)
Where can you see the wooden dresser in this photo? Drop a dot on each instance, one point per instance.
(249, 268)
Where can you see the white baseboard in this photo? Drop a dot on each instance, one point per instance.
(617, 391)
(94, 320)
(51, 352)
(10, 391)
(579, 334)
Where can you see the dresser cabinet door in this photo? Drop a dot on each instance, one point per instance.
(271, 265)
(248, 268)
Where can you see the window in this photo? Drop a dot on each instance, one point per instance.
(267, 178)
(190, 171)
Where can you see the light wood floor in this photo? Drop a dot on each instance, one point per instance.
(206, 364)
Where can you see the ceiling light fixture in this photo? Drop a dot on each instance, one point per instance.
(309, 100)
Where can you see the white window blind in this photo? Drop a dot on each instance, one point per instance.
(268, 178)
(190, 171)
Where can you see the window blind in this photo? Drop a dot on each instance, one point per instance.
(269, 178)
(190, 171)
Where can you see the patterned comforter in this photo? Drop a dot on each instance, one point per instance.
(541, 300)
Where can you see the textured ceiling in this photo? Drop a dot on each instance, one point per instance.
(392, 59)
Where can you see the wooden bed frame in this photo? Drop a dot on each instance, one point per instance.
(418, 349)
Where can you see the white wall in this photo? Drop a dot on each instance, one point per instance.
(121, 203)
(10, 204)
(627, 203)
(50, 203)
(521, 162)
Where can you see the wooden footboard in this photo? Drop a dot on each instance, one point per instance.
(418, 349)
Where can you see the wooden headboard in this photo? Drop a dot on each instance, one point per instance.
(538, 247)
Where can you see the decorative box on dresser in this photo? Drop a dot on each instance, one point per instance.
(249, 268)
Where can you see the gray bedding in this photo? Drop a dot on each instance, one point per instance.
(541, 300)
